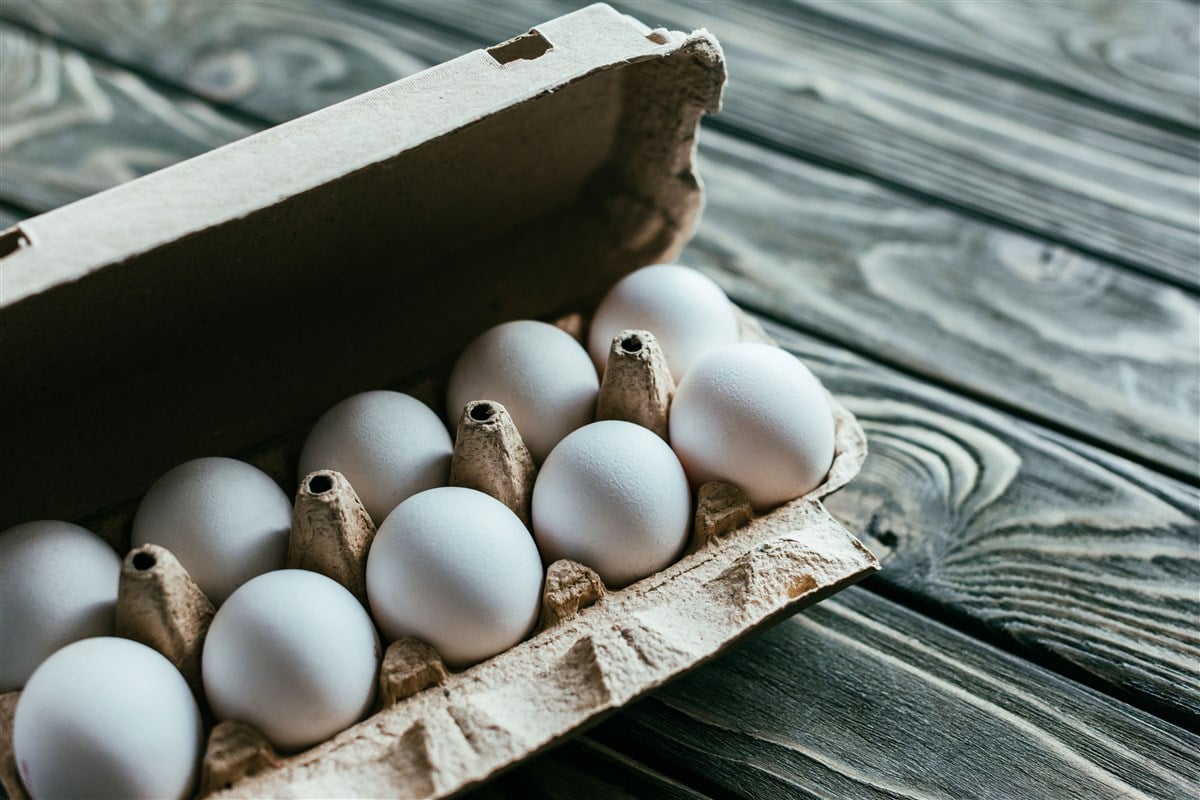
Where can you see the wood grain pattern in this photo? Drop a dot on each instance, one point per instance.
(73, 127)
(272, 59)
(858, 697)
(1066, 338)
(1046, 163)
(1067, 550)
(1143, 56)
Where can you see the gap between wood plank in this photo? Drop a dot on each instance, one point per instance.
(967, 626)
(238, 114)
(1191, 479)
(1055, 544)
(996, 68)
(862, 698)
(401, 13)
(733, 129)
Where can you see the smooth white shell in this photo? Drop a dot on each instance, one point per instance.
(294, 654)
(389, 446)
(753, 415)
(539, 373)
(457, 569)
(107, 718)
(58, 584)
(688, 314)
(614, 497)
(225, 520)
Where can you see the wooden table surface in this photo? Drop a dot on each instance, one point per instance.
(979, 222)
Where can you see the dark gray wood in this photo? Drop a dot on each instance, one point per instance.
(73, 127)
(1060, 336)
(1041, 161)
(858, 697)
(1086, 346)
(1064, 548)
(1143, 56)
(272, 59)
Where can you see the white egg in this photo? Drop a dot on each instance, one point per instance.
(752, 415)
(107, 717)
(225, 520)
(58, 584)
(457, 569)
(389, 446)
(614, 497)
(294, 654)
(541, 375)
(688, 314)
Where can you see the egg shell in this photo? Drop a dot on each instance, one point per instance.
(686, 311)
(294, 654)
(455, 568)
(107, 718)
(225, 520)
(58, 584)
(753, 415)
(389, 445)
(614, 497)
(541, 375)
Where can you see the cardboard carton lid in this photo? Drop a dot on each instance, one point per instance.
(222, 301)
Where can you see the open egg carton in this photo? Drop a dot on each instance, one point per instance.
(232, 298)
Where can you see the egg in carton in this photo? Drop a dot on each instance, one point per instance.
(437, 731)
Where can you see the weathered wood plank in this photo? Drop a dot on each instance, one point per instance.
(273, 59)
(858, 697)
(1066, 549)
(1142, 56)
(1046, 163)
(993, 313)
(1075, 341)
(73, 127)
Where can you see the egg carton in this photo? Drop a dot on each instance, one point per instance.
(463, 148)
(436, 732)
(595, 650)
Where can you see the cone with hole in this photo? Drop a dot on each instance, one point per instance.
(490, 456)
(637, 385)
(331, 531)
(159, 605)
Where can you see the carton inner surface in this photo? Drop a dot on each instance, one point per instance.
(245, 330)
